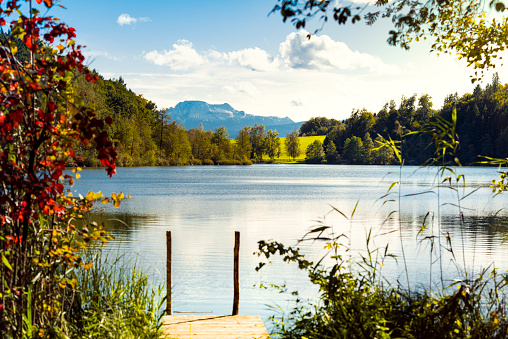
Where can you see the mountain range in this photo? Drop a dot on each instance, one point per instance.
(193, 113)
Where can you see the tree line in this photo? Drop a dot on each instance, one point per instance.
(482, 129)
(146, 136)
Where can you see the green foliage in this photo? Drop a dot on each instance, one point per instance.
(367, 147)
(272, 144)
(481, 126)
(381, 155)
(257, 137)
(354, 302)
(292, 144)
(243, 145)
(222, 148)
(114, 301)
(315, 153)
(353, 151)
(332, 156)
(318, 126)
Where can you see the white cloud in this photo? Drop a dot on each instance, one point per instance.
(182, 57)
(321, 52)
(126, 19)
(254, 59)
(296, 103)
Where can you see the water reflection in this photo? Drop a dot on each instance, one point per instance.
(203, 206)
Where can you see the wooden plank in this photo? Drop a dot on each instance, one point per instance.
(211, 327)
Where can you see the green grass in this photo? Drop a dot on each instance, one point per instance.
(284, 158)
(304, 143)
(115, 300)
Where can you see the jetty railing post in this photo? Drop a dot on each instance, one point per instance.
(236, 283)
(169, 303)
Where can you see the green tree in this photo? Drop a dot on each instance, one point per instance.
(317, 126)
(272, 144)
(243, 145)
(367, 147)
(424, 112)
(201, 143)
(332, 156)
(407, 111)
(315, 153)
(223, 149)
(257, 137)
(175, 144)
(353, 150)
(292, 144)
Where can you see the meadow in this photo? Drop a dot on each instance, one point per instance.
(304, 143)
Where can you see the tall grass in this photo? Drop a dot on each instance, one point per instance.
(114, 300)
(355, 300)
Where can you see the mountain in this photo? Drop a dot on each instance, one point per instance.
(192, 113)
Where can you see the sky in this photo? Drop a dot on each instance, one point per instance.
(232, 51)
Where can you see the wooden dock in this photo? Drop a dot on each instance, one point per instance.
(213, 326)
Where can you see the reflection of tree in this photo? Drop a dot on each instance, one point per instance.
(122, 224)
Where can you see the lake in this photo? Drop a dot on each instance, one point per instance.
(202, 206)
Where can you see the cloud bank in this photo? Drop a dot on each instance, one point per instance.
(296, 52)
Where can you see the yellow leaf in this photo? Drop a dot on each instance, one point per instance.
(78, 175)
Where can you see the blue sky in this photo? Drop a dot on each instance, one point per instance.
(232, 51)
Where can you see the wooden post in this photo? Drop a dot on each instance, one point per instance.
(169, 303)
(236, 296)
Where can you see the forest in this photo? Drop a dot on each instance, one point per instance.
(146, 136)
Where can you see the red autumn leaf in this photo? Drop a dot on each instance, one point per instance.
(48, 3)
(51, 106)
(39, 1)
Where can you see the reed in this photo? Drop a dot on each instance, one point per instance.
(114, 299)
(355, 300)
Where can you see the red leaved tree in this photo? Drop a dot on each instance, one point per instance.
(41, 120)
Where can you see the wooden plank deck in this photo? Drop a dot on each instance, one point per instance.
(213, 326)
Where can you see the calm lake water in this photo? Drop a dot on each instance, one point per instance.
(203, 206)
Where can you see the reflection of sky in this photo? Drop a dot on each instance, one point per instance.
(203, 206)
